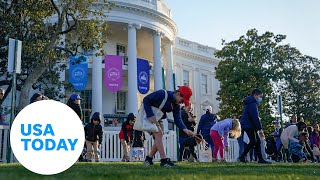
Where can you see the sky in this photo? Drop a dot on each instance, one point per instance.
(208, 21)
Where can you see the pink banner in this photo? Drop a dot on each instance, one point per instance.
(113, 72)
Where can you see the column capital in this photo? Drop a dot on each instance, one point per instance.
(134, 25)
(158, 33)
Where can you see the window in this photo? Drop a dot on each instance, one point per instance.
(204, 84)
(86, 104)
(121, 51)
(186, 80)
(121, 101)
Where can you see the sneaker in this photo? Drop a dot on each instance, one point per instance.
(264, 162)
(242, 159)
(148, 161)
(166, 162)
(214, 160)
(223, 160)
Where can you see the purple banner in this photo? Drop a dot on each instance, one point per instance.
(113, 73)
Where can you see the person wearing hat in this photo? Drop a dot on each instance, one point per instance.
(172, 104)
(74, 103)
(125, 136)
(93, 133)
(206, 122)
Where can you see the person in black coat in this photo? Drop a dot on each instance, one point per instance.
(188, 119)
(93, 133)
(74, 103)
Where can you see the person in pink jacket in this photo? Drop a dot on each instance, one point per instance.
(220, 131)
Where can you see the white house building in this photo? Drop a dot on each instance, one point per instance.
(145, 29)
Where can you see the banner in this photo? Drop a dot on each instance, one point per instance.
(113, 73)
(78, 71)
(143, 75)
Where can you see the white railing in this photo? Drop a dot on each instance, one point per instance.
(233, 152)
(4, 137)
(112, 150)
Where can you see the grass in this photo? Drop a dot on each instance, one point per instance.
(136, 170)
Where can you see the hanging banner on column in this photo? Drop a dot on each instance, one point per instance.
(143, 75)
(78, 70)
(113, 73)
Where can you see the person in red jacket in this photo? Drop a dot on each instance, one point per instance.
(125, 136)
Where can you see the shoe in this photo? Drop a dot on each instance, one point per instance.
(223, 160)
(242, 159)
(214, 160)
(148, 161)
(166, 162)
(264, 162)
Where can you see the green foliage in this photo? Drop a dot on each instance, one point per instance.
(45, 29)
(263, 62)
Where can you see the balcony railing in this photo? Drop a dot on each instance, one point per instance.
(157, 5)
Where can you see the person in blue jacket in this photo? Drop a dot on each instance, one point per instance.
(182, 95)
(251, 124)
(206, 122)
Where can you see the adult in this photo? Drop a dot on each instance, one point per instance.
(289, 133)
(36, 97)
(206, 122)
(188, 120)
(277, 134)
(1, 93)
(251, 124)
(3, 119)
(174, 99)
(126, 136)
(74, 102)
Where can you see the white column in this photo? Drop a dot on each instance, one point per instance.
(197, 92)
(132, 68)
(97, 84)
(157, 70)
(169, 74)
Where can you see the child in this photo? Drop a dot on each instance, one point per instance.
(189, 145)
(93, 134)
(138, 145)
(296, 149)
(125, 136)
(220, 131)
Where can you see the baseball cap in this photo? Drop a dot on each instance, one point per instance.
(75, 96)
(186, 92)
(209, 108)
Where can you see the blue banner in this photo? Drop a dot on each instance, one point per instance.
(143, 76)
(78, 71)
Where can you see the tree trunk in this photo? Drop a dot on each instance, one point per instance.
(31, 79)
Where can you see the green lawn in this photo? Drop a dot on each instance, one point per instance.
(115, 170)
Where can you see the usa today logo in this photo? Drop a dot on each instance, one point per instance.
(47, 137)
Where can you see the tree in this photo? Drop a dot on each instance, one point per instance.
(265, 62)
(244, 68)
(51, 32)
(298, 82)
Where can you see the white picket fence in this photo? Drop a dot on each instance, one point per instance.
(112, 150)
